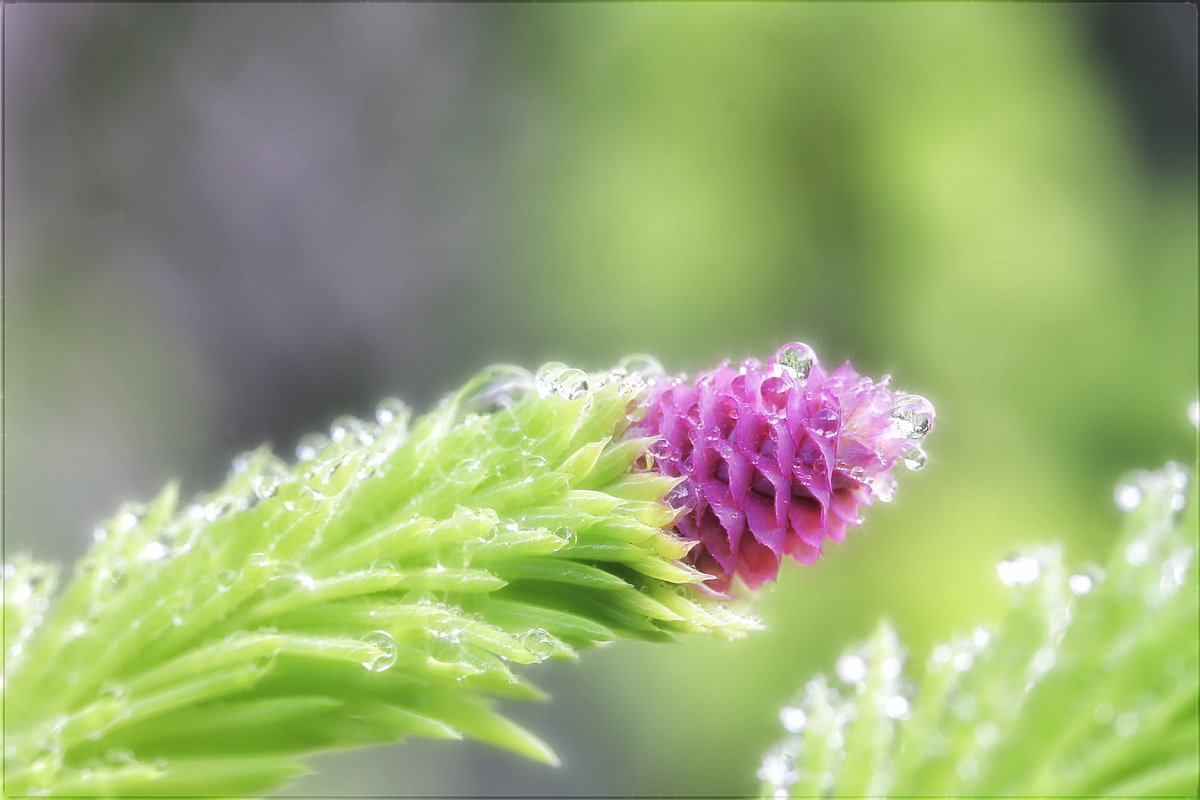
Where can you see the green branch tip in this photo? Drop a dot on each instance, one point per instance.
(385, 585)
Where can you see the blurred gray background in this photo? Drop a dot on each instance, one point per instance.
(228, 224)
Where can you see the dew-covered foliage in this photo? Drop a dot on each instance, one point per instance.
(384, 585)
(1087, 687)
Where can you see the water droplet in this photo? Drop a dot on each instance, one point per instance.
(631, 385)
(891, 667)
(112, 690)
(573, 384)
(794, 719)
(257, 567)
(980, 637)
(896, 707)
(350, 428)
(1126, 724)
(391, 409)
(1127, 496)
(470, 471)
(539, 643)
(568, 535)
(383, 642)
(1174, 571)
(1085, 580)
(987, 734)
(826, 422)
(751, 364)
(912, 416)
(418, 597)
(265, 485)
(1137, 553)
(678, 496)
(310, 446)
(445, 646)
(21, 594)
(1019, 570)
(1194, 413)
(962, 661)
(942, 654)
(154, 551)
(1043, 661)
(1103, 714)
(495, 388)
(915, 459)
(884, 487)
(851, 669)
(547, 377)
(797, 358)
(225, 580)
(641, 364)
(127, 521)
(778, 770)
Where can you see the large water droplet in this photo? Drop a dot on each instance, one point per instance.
(568, 535)
(572, 384)
(797, 358)
(641, 364)
(539, 643)
(912, 416)
(498, 387)
(386, 645)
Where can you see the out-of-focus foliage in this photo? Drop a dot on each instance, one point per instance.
(1087, 688)
(229, 224)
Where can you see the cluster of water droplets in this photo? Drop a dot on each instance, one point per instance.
(323, 458)
(816, 724)
(911, 420)
(28, 587)
(826, 724)
(1155, 500)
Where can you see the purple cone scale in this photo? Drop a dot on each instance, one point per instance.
(777, 458)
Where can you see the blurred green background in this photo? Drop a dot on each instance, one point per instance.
(228, 224)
